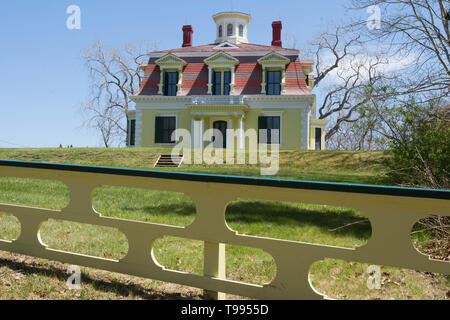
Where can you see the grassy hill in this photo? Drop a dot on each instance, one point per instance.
(332, 166)
(28, 278)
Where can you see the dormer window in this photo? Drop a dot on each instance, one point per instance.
(274, 73)
(241, 31)
(171, 83)
(221, 69)
(170, 75)
(221, 83)
(220, 31)
(273, 83)
(229, 30)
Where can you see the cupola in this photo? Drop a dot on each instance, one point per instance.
(231, 27)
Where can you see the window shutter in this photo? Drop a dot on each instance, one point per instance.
(158, 129)
(262, 125)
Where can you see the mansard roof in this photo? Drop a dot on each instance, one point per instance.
(235, 50)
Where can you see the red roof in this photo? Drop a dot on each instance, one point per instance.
(248, 77)
(241, 47)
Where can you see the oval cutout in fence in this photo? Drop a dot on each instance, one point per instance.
(344, 280)
(9, 227)
(315, 224)
(91, 240)
(36, 193)
(161, 207)
(431, 236)
(179, 254)
(250, 265)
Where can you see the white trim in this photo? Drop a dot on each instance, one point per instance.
(138, 133)
(224, 113)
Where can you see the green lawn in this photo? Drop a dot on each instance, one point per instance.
(40, 279)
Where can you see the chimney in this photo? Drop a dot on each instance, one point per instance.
(187, 36)
(277, 26)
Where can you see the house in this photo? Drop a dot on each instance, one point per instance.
(229, 84)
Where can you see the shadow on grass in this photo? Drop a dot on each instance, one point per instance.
(326, 219)
(251, 212)
(114, 286)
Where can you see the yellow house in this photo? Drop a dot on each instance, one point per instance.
(229, 84)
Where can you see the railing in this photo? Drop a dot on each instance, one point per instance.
(391, 211)
(217, 100)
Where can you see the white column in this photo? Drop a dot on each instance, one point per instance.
(209, 80)
(230, 143)
(193, 134)
(263, 83)
(201, 133)
(241, 133)
(161, 81)
(232, 78)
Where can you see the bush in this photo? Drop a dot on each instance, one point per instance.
(420, 156)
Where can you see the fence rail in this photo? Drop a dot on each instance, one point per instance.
(392, 213)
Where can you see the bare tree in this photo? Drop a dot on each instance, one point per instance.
(355, 63)
(417, 30)
(115, 76)
(347, 77)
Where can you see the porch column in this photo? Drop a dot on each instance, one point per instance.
(230, 142)
(193, 134)
(241, 133)
(201, 133)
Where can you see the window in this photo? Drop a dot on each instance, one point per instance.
(131, 132)
(164, 127)
(221, 83)
(273, 83)
(170, 83)
(241, 30)
(220, 31)
(229, 30)
(269, 130)
(318, 133)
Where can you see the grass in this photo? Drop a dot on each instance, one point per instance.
(41, 279)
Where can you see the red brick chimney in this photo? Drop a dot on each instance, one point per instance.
(187, 36)
(277, 26)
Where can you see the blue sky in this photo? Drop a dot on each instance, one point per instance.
(43, 80)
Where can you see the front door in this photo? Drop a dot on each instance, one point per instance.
(220, 142)
(318, 138)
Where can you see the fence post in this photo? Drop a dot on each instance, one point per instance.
(214, 266)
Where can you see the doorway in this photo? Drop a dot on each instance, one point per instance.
(222, 127)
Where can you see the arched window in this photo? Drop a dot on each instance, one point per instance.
(229, 30)
(220, 32)
(241, 30)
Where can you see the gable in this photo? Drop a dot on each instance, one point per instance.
(221, 58)
(170, 60)
(274, 58)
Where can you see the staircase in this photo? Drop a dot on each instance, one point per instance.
(169, 161)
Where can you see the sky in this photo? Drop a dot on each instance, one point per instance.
(43, 81)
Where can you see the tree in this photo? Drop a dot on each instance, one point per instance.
(418, 31)
(419, 146)
(347, 78)
(115, 76)
(355, 64)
